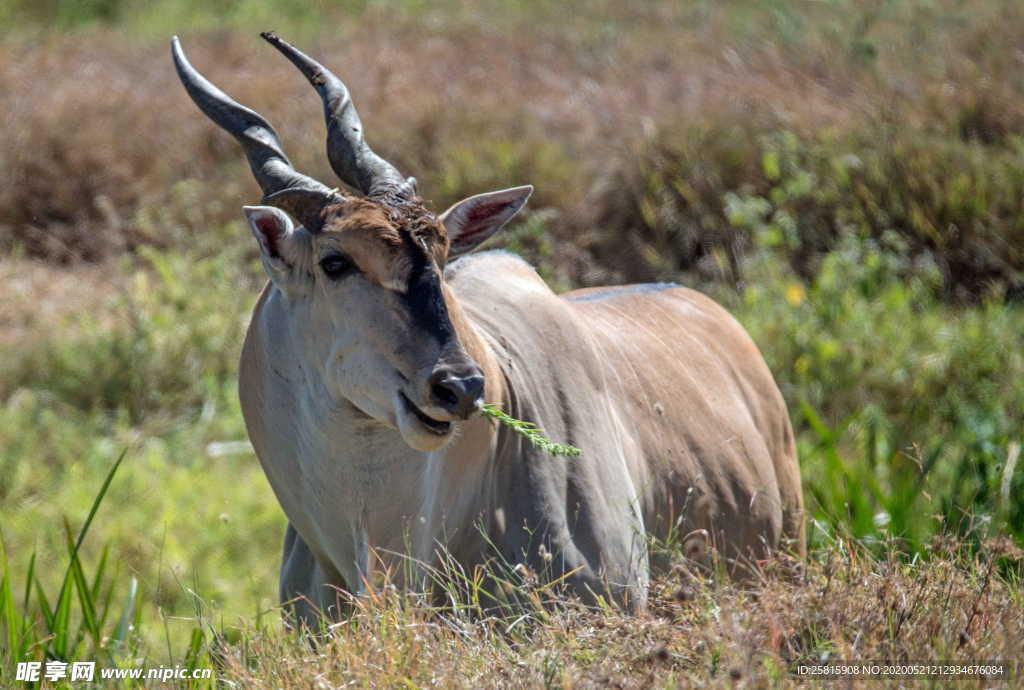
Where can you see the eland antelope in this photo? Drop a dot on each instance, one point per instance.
(378, 336)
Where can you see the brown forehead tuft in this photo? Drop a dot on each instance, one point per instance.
(360, 215)
(408, 217)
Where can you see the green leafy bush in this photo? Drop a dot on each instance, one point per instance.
(906, 406)
(701, 199)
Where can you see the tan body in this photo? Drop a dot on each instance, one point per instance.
(679, 420)
(374, 345)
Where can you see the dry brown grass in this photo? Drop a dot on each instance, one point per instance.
(634, 123)
(39, 297)
(843, 605)
(98, 127)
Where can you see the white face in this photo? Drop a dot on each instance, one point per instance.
(369, 315)
(375, 355)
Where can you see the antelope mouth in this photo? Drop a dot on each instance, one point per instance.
(434, 426)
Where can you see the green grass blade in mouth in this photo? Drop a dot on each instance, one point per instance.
(530, 431)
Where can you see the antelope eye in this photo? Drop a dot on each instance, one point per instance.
(335, 266)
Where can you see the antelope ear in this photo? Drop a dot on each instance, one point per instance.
(274, 231)
(471, 221)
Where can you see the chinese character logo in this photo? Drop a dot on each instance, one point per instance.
(28, 671)
(83, 670)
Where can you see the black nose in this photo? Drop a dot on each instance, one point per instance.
(457, 391)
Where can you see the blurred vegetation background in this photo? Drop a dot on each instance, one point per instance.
(846, 177)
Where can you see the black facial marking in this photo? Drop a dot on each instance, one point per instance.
(424, 296)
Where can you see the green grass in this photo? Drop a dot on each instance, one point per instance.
(95, 617)
(905, 408)
(525, 632)
(151, 370)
